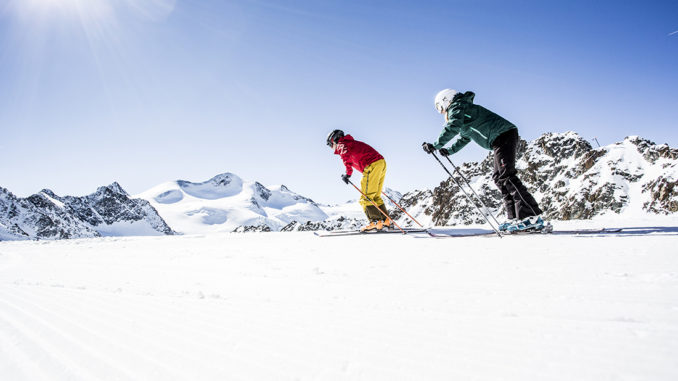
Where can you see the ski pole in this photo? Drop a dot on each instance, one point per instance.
(375, 205)
(466, 194)
(403, 210)
(470, 187)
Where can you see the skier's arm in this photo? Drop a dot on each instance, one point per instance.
(452, 128)
(348, 164)
(458, 145)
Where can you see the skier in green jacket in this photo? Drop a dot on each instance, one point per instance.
(492, 132)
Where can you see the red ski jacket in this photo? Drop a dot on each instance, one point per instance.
(355, 154)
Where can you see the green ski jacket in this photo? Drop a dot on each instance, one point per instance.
(471, 122)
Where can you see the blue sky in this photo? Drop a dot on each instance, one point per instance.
(143, 92)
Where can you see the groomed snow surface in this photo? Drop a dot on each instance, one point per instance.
(292, 306)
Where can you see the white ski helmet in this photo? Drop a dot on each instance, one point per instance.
(443, 99)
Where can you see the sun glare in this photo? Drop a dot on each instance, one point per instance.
(93, 10)
(40, 5)
(35, 10)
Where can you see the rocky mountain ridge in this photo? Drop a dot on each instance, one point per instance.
(569, 178)
(109, 211)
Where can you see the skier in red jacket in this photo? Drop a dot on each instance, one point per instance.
(367, 160)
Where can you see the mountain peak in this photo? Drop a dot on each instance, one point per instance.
(113, 187)
(559, 145)
(224, 178)
(5, 191)
(650, 150)
(219, 186)
(49, 193)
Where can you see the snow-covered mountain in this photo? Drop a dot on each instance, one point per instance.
(107, 212)
(569, 178)
(226, 202)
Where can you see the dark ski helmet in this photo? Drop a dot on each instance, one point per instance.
(334, 137)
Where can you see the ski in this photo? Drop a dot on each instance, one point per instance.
(459, 235)
(568, 232)
(526, 232)
(471, 232)
(341, 233)
(589, 231)
(546, 229)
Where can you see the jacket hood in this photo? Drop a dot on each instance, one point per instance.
(346, 138)
(466, 97)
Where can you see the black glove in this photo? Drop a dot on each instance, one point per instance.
(428, 147)
(444, 152)
(345, 178)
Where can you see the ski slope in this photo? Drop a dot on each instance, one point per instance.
(292, 306)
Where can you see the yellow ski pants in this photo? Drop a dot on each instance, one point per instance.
(373, 183)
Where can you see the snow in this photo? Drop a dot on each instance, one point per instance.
(349, 209)
(127, 228)
(353, 210)
(54, 201)
(212, 190)
(624, 157)
(288, 306)
(5, 235)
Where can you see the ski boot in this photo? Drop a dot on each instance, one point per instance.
(373, 225)
(505, 225)
(388, 224)
(534, 223)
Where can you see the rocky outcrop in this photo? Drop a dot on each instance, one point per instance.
(569, 178)
(340, 223)
(663, 196)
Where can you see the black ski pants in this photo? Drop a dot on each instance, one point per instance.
(518, 201)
